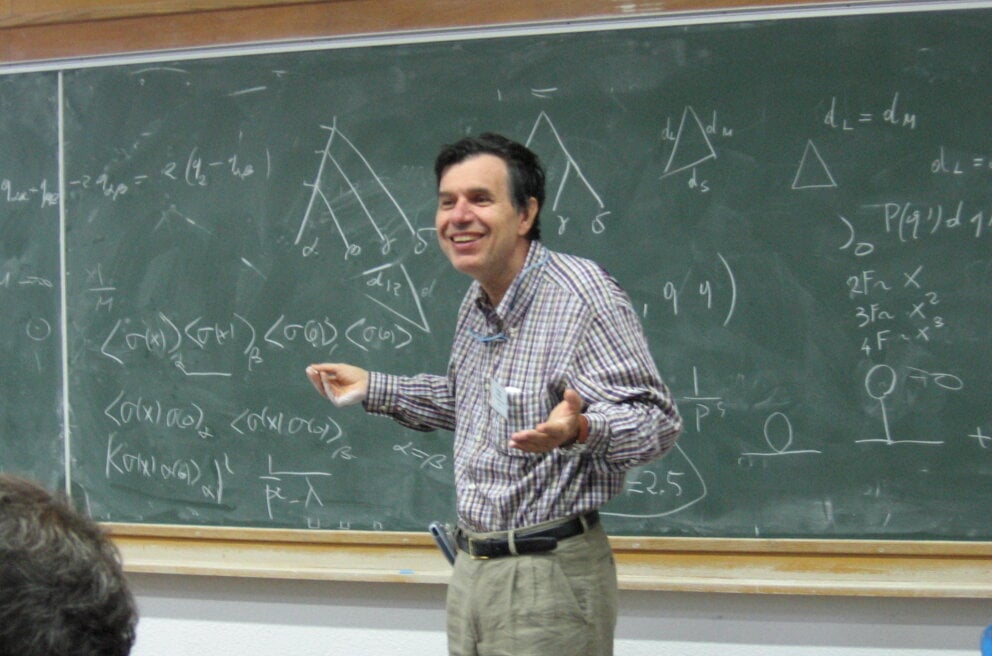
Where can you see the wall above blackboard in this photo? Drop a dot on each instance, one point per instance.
(798, 208)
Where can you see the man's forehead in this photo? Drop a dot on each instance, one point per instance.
(483, 172)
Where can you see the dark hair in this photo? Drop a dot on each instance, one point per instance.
(62, 589)
(526, 175)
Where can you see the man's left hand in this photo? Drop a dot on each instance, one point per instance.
(562, 426)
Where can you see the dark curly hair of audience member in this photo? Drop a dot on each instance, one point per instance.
(62, 589)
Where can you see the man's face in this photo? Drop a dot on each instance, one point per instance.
(478, 228)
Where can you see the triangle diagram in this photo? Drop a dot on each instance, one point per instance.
(813, 172)
(391, 287)
(544, 129)
(692, 145)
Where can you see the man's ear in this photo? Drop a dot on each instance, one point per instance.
(527, 216)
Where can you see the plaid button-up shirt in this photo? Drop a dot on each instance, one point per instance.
(563, 323)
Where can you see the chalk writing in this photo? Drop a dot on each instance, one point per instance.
(176, 340)
(703, 289)
(137, 464)
(193, 171)
(39, 194)
(391, 287)
(944, 164)
(880, 384)
(137, 410)
(910, 222)
(434, 461)
(662, 489)
(691, 145)
(894, 310)
(893, 116)
(779, 437)
(102, 289)
(341, 174)
(280, 485)
(545, 132)
(702, 404)
(813, 172)
(38, 329)
(286, 424)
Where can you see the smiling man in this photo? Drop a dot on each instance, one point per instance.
(480, 226)
(552, 396)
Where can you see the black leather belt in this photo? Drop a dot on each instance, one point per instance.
(526, 541)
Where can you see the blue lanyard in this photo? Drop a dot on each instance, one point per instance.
(486, 339)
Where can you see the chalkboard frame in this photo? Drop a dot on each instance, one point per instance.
(776, 566)
(877, 568)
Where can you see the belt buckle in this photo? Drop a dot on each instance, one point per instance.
(471, 550)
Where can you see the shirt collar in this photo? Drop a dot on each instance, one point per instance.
(521, 291)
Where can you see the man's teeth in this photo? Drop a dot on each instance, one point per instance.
(462, 239)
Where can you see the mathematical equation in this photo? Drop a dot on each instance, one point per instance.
(847, 121)
(38, 194)
(912, 222)
(203, 473)
(896, 308)
(945, 164)
(195, 171)
(890, 316)
(182, 341)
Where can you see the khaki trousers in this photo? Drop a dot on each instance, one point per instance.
(559, 603)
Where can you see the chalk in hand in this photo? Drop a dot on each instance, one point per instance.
(340, 400)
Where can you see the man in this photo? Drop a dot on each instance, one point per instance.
(62, 591)
(552, 395)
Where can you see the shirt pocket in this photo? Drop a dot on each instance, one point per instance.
(525, 408)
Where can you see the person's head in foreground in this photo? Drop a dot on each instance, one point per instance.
(62, 589)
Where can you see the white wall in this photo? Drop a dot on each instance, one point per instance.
(249, 617)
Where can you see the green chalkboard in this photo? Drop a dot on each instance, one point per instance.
(31, 439)
(800, 209)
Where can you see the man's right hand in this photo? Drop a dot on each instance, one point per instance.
(342, 384)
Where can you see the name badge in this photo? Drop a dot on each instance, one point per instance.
(498, 400)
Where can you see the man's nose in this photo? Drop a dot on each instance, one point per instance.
(460, 211)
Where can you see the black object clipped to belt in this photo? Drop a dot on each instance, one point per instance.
(519, 543)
